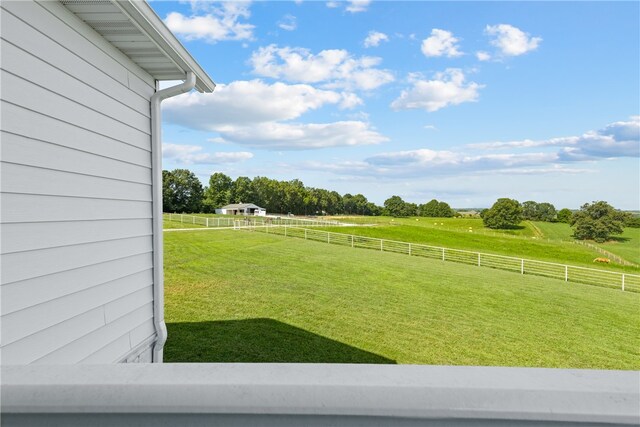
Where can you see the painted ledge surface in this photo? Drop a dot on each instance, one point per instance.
(340, 392)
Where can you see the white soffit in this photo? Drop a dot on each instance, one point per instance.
(135, 29)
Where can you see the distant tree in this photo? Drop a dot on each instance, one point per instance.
(182, 191)
(167, 191)
(546, 212)
(445, 211)
(564, 215)
(242, 191)
(505, 213)
(218, 193)
(435, 209)
(598, 221)
(633, 222)
(530, 210)
(429, 209)
(395, 206)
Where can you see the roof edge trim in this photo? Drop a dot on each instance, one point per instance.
(150, 23)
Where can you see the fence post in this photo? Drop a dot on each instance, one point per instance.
(352, 240)
(207, 222)
(622, 282)
(478, 259)
(443, 254)
(381, 247)
(193, 219)
(409, 248)
(566, 273)
(522, 266)
(181, 218)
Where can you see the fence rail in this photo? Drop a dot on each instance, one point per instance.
(568, 273)
(215, 222)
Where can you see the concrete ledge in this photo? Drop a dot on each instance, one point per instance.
(338, 394)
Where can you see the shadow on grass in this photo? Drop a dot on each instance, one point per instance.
(257, 341)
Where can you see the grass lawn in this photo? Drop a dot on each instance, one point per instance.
(540, 249)
(237, 296)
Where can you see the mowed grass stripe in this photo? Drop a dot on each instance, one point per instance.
(222, 286)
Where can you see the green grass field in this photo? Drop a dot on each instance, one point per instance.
(541, 241)
(237, 296)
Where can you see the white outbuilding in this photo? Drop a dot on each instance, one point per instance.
(242, 209)
(81, 215)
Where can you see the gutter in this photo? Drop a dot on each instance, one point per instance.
(156, 180)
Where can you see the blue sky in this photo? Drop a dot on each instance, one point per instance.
(460, 101)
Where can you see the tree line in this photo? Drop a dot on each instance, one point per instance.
(593, 221)
(183, 192)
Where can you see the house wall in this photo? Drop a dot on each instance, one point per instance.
(76, 215)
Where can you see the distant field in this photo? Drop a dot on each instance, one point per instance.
(546, 249)
(237, 296)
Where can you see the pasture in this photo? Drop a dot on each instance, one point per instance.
(541, 241)
(250, 297)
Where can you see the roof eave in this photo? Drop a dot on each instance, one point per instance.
(150, 23)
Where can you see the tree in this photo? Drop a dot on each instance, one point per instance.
(546, 212)
(530, 210)
(242, 191)
(598, 221)
(218, 193)
(444, 210)
(429, 209)
(505, 213)
(435, 209)
(181, 191)
(564, 215)
(395, 206)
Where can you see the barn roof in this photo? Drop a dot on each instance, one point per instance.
(241, 206)
(134, 28)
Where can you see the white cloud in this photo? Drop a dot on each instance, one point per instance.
(302, 136)
(335, 68)
(253, 101)
(251, 113)
(374, 38)
(192, 154)
(288, 23)
(352, 6)
(441, 43)
(356, 6)
(446, 89)
(213, 22)
(483, 56)
(511, 41)
(427, 163)
(618, 139)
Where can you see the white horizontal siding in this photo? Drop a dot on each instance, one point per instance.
(21, 237)
(19, 120)
(20, 33)
(21, 92)
(30, 208)
(56, 22)
(32, 152)
(74, 338)
(75, 182)
(134, 291)
(50, 182)
(90, 344)
(28, 293)
(26, 265)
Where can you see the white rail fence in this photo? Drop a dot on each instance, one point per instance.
(568, 273)
(243, 221)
